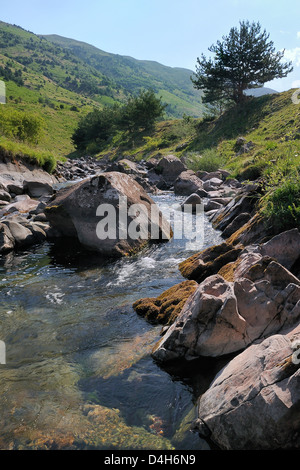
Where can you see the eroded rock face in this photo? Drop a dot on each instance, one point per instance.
(75, 213)
(253, 403)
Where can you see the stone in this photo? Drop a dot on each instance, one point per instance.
(212, 184)
(209, 261)
(236, 224)
(208, 325)
(285, 247)
(254, 401)
(187, 183)
(212, 205)
(23, 205)
(4, 196)
(23, 236)
(73, 211)
(240, 204)
(37, 189)
(170, 168)
(127, 166)
(7, 241)
(212, 175)
(194, 203)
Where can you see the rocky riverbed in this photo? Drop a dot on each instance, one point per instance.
(241, 297)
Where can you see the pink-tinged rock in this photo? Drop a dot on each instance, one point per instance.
(285, 248)
(254, 402)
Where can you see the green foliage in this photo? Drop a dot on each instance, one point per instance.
(209, 160)
(97, 128)
(20, 125)
(244, 60)
(141, 112)
(128, 75)
(281, 206)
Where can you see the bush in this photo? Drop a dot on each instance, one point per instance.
(210, 160)
(281, 207)
(20, 125)
(99, 126)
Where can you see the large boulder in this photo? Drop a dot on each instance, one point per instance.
(254, 401)
(109, 213)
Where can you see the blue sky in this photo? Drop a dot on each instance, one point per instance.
(172, 32)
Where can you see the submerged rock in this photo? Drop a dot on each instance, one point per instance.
(130, 218)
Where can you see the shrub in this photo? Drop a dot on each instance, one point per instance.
(281, 207)
(210, 160)
(20, 125)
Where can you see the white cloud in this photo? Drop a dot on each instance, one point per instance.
(296, 84)
(293, 55)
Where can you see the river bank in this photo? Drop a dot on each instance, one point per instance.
(70, 328)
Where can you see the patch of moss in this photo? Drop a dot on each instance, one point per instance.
(166, 308)
(227, 271)
(209, 262)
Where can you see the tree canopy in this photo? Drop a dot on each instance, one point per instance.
(243, 60)
(99, 126)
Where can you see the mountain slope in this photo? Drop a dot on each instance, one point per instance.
(173, 84)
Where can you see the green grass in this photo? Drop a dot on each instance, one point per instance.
(44, 159)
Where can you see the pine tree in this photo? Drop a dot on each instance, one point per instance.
(245, 59)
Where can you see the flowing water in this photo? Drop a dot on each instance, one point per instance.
(79, 372)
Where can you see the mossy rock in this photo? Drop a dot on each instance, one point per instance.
(208, 262)
(166, 308)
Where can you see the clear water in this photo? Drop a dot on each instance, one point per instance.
(79, 372)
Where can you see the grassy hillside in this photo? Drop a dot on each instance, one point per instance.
(36, 75)
(270, 125)
(173, 84)
(50, 81)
